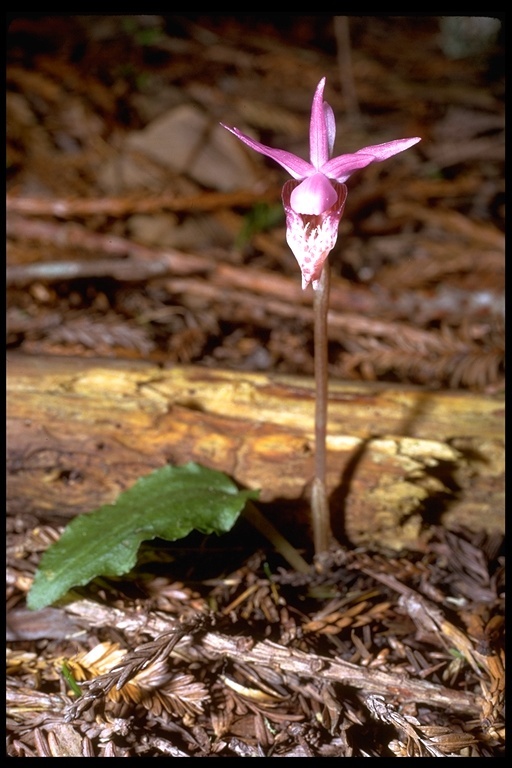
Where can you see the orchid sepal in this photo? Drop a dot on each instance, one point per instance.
(342, 167)
(296, 166)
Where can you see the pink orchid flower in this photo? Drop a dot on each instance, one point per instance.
(314, 202)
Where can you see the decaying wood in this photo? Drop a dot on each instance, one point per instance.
(79, 431)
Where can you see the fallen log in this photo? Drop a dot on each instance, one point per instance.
(81, 430)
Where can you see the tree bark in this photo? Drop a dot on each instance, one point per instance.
(81, 430)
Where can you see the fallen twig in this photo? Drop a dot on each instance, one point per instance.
(275, 656)
(65, 208)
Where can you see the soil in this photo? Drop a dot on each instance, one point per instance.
(139, 229)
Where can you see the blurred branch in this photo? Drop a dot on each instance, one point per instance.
(348, 86)
(63, 208)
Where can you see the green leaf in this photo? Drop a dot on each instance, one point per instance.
(169, 504)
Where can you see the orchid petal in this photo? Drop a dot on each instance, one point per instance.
(296, 166)
(312, 238)
(343, 166)
(314, 195)
(319, 137)
(330, 122)
(388, 149)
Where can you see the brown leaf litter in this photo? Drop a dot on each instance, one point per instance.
(271, 658)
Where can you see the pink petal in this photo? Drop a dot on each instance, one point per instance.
(296, 166)
(318, 132)
(313, 195)
(312, 237)
(343, 166)
(330, 122)
(388, 149)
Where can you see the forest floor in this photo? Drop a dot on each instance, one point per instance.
(139, 228)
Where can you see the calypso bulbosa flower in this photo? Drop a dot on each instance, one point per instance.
(315, 199)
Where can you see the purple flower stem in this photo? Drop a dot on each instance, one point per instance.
(320, 513)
